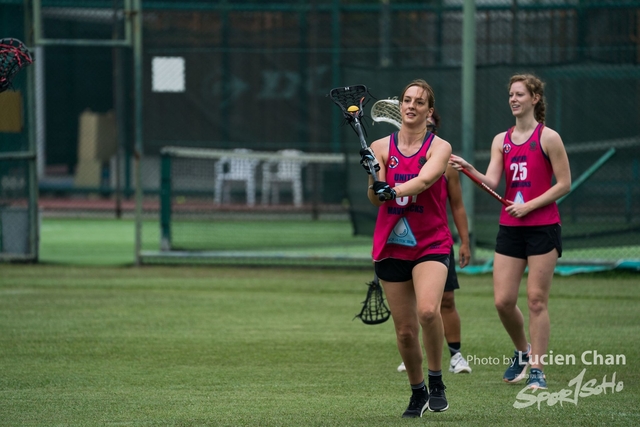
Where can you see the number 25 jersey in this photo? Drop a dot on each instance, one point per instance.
(528, 175)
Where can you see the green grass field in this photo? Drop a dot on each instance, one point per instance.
(88, 241)
(89, 340)
(213, 346)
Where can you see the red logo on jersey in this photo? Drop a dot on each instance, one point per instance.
(393, 162)
(506, 148)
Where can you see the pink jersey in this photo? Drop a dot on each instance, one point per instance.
(411, 227)
(528, 175)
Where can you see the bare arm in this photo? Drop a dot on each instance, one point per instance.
(437, 159)
(454, 192)
(496, 164)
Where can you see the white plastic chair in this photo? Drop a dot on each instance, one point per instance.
(233, 169)
(287, 170)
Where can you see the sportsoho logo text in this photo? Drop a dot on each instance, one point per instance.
(578, 388)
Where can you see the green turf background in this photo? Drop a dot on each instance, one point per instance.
(80, 241)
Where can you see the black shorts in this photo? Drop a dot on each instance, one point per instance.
(452, 277)
(399, 270)
(522, 242)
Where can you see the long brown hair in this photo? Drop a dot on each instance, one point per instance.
(435, 118)
(535, 86)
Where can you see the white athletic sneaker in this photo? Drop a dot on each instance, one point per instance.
(458, 364)
(401, 368)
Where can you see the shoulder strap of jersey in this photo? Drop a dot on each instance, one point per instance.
(393, 144)
(429, 136)
(540, 127)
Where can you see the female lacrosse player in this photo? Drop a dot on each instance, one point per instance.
(530, 154)
(412, 241)
(448, 310)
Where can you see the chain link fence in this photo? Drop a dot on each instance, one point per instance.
(236, 74)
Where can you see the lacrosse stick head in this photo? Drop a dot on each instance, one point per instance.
(14, 56)
(374, 309)
(351, 100)
(388, 111)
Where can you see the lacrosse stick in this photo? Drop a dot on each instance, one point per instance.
(486, 188)
(374, 309)
(14, 56)
(388, 110)
(350, 99)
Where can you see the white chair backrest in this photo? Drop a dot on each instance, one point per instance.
(291, 165)
(241, 168)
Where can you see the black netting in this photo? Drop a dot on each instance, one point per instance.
(251, 75)
(374, 308)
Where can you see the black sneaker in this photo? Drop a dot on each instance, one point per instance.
(437, 399)
(417, 405)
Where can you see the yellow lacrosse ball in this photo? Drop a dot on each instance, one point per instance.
(353, 109)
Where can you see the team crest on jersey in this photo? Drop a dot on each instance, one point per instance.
(402, 234)
(393, 162)
(532, 146)
(506, 148)
(422, 161)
